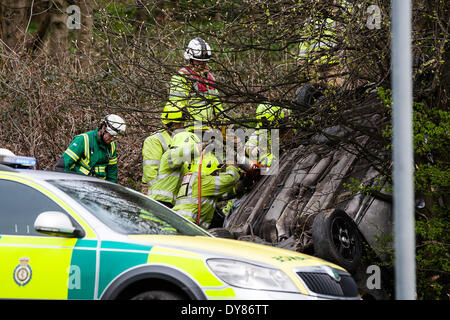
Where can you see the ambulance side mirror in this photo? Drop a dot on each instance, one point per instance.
(56, 223)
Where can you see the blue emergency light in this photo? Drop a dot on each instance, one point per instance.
(23, 161)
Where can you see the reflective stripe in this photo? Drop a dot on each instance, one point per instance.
(234, 173)
(113, 147)
(83, 170)
(163, 142)
(191, 183)
(189, 215)
(151, 162)
(84, 164)
(161, 193)
(199, 103)
(112, 161)
(169, 160)
(175, 174)
(178, 94)
(100, 169)
(151, 182)
(200, 94)
(217, 184)
(86, 147)
(72, 154)
(194, 200)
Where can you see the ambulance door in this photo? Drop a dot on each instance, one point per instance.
(34, 265)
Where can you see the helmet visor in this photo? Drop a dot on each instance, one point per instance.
(115, 132)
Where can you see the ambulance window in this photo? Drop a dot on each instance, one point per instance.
(20, 206)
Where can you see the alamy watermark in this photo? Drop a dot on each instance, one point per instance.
(74, 17)
(239, 146)
(74, 280)
(374, 19)
(374, 279)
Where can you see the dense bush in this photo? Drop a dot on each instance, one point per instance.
(48, 96)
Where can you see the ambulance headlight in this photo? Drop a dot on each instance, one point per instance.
(250, 276)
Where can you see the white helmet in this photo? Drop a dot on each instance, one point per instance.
(115, 125)
(198, 50)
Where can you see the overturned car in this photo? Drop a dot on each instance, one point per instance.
(328, 197)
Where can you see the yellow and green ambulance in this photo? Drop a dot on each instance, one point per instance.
(69, 236)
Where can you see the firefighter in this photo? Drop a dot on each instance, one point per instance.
(209, 181)
(94, 153)
(259, 146)
(193, 89)
(319, 52)
(159, 142)
(185, 145)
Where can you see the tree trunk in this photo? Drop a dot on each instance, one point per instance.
(13, 24)
(59, 33)
(41, 17)
(84, 42)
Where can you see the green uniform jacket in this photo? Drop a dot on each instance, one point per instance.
(170, 169)
(152, 151)
(213, 189)
(88, 155)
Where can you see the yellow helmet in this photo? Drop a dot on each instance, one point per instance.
(172, 114)
(210, 163)
(185, 137)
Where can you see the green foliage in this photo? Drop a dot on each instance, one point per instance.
(376, 185)
(432, 184)
(433, 267)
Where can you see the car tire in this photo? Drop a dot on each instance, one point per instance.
(157, 295)
(336, 238)
(221, 233)
(308, 94)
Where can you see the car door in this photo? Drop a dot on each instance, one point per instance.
(34, 265)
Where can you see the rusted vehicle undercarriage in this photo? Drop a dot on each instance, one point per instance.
(309, 205)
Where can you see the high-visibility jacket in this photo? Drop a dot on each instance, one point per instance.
(261, 142)
(261, 139)
(87, 154)
(152, 151)
(164, 227)
(196, 94)
(322, 39)
(170, 169)
(214, 188)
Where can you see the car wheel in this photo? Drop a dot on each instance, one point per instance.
(221, 233)
(308, 94)
(336, 239)
(157, 295)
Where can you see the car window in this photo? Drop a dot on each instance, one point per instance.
(19, 207)
(125, 211)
